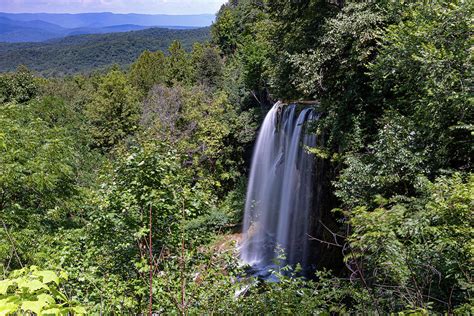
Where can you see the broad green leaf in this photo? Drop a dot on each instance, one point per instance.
(48, 276)
(46, 298)
(7, 308)
(58, 294)
(63, 275)
(4, 284)
(51, 312)
(31, 285)
(79, 310)
(33, 306)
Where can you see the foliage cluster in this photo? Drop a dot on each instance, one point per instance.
(94, 166)
(394, 84)
(89, 53)
(31, 291)
(126, 179)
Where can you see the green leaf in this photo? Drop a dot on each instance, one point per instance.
(48, 276)
(52, 311)
(58, 294)
(46, 298)
(4, 284)
(31, 285)
(33, 306)
(79, 310)
(7, 308)
(63, 275)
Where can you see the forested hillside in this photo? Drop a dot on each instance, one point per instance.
(39, 31)
(39, 27)
(104, 19)
(86, 53)
(122, 192)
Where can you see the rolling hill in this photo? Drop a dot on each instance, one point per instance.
(111, 19)
(38, 31)
(84, 53)
(28, 31)
(39, 27)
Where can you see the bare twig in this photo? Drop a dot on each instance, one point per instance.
(12, 242)
(334, 235)
(156, 261)
(361, 274)
(150, 308)
(324, 242)
(183, 265)
(397, 287)
(329, 230)
(259, 102)
(450, 302)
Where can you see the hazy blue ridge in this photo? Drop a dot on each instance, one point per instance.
(28, 31)
(110, 19)
(39, 27)
(85, 53)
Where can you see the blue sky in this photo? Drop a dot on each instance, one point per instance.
(116, 6)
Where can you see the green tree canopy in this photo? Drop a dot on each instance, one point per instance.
(147, 70)
(113, 111)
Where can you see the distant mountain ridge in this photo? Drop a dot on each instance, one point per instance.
(38, 27)
(86, 53)
(104, 19)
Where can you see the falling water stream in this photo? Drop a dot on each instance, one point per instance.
(279, 194)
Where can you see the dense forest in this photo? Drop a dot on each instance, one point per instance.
(40, 27)
(88, 53)
(122, 191)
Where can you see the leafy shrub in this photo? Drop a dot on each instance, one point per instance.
(20, 86)
(31, 290)
(423, 71)
(414, 249)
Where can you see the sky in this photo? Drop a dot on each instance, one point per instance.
(116, 6)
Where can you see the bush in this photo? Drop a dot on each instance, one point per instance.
(31, 290)
(414, 249)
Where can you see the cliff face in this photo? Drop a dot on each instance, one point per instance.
(326, 246)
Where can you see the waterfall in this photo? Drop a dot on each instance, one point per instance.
(279, 193)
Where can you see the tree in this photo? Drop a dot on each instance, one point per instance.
(38, 179)
(424, 71)
(224, 30)
(147, 70)
(206, 130)
(207, 65)
(178, 66)
(413, 249)
(113, 111)
(20, 86)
